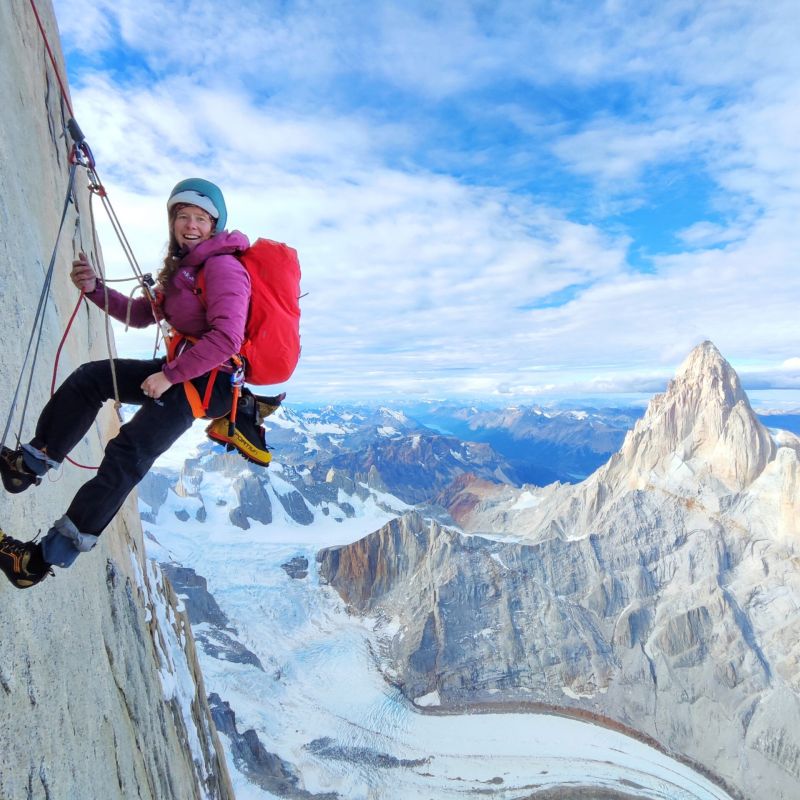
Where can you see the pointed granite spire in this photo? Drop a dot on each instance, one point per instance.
(702, 425)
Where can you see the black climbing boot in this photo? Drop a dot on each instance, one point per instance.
(22, 562)
(16, 474)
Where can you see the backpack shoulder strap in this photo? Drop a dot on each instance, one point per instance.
(200, 282)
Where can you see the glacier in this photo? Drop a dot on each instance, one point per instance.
(320, 700)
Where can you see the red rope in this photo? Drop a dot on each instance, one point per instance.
(52, 57)
(55, 367)
(61, 344)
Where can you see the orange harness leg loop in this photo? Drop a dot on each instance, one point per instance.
(199, 406)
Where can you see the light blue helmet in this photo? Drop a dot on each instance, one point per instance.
(201, 193)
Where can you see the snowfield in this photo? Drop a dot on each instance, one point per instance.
(322, 705)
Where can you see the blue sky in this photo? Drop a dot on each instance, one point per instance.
(504, 200)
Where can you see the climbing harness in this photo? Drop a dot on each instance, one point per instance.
(200, 406)
(240, 428)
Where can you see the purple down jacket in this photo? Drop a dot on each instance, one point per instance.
(218, 324)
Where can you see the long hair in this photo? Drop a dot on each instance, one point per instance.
(174, 250)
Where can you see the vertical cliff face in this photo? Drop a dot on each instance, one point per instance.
(365, 571)
(100, 695)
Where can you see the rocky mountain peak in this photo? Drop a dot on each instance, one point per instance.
(701, 426)
(706, 374)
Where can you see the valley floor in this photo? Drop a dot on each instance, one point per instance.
(322, 705)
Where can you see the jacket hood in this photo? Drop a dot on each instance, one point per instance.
(222, 243)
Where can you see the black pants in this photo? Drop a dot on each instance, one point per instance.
(71, 411)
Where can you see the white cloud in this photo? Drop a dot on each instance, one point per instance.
(708, 234)
(612, 150)
(329, 127)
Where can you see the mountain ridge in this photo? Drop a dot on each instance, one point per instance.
(660, 592)
(700, 440)
(704, 414)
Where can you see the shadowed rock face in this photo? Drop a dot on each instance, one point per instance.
(486, 621)
(217, 637)
(193, 588)
(253, 499)
(295, 506)
(296, 568)
(153, 490)
(416, 468)
(365, 571)
(263, 768)
(661, 593)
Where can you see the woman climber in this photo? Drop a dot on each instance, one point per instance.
(215, 324)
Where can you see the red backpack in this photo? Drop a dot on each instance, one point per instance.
(272, 335)
(271, 346)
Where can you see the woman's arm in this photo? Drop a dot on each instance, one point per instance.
(136, 312)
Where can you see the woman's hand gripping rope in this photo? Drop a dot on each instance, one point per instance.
(83, 274)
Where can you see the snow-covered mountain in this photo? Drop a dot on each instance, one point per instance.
(662, 593)
(541, 445)
(516, 445)
(296, 683)
(304, 436)
(700, 443)
(418, 467)
(343, 635)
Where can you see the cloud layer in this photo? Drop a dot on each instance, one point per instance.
(487, 200)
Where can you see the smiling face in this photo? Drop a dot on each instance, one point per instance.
(192, 225)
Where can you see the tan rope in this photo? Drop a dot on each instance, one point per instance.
(107, 326)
